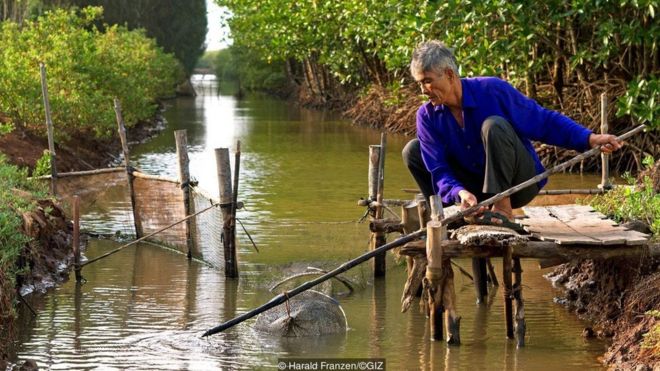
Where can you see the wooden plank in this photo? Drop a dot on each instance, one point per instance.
(578, 224)
(590, 222)
(542, 224)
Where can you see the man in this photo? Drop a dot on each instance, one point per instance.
(474, 140)
(474, 135)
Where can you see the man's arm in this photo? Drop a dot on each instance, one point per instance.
(445, 183)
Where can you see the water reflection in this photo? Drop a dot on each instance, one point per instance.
(302, 171)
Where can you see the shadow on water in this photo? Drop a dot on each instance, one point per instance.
(303, 171)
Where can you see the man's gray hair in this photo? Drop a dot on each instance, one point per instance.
(434, 56)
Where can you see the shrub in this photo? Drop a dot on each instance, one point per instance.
(86, 70)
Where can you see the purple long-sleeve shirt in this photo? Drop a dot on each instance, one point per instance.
(441, 138)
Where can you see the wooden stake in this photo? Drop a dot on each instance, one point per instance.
(520, 309)
(435, 234)
(506, 279)
(378, 239)
(233, 252)
(76, 237)
(224, 184)
(129, 170)
(49, 124)
(181, 139)
(374, 160)
(604, 158)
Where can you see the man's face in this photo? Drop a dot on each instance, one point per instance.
(435, 86)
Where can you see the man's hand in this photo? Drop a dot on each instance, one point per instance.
(468, 200)
(607, 142)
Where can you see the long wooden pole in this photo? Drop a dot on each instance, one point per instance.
(181, 139)
(76, 237)
(604, 158)
(223, 167)
(379, 238)
(49, 124)
(279, 299)
(232, 243)
(121, 128)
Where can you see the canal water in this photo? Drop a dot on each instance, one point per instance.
(302, 173)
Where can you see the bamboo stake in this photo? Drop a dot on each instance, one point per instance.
(508, 288)
(49, 124)
(224, 184)
(76, 237)
(604, 158)
(279, 299)
(181, 139)
(520, 308)
(379, 238)
(232, 243)
(129, 171)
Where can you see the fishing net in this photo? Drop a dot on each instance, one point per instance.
(105, 209)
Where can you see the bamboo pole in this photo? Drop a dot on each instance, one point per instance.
(379, 238)
(520, 308)
(81, 173)
(604, 158)
(224, 185)
(76, 237)
(507, 256)
(435, 233)
(49, 124)
(374, 156)
(233, 252)
(129, 171)
(183, 161)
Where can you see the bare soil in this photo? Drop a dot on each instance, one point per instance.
(615, 295)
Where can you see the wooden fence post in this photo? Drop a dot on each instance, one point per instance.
(129, 171)
(181, 139)
(604, 158)
(49, 124)
(76, 237)
(224, 186)
(440, 278)
(376, 174)
(234, 206)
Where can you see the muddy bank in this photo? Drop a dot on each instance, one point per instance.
(81, 152)
(43, 263)
(615, 296)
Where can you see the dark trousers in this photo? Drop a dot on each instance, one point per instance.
(507, 164)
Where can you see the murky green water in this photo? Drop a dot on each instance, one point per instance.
(301, 175)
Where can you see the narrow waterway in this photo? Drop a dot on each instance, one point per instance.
(302, 172)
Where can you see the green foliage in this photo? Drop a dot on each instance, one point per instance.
(240, 65)
(365, 42)
(208, 59)
(178, 26)
(6, 128)
(652, 338)
(86, 69)
(42, 167)
(632, 203)
(14, 203)
(640, 101)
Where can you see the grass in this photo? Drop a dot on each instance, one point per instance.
(17, 195)
(633, 202)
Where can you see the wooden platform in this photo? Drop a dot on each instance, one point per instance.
(577, 225)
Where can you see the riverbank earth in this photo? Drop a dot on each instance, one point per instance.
(48, 259)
